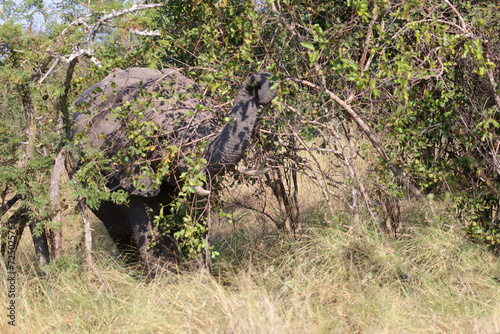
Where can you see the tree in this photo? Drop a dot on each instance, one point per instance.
(406, 89)
(38, 69)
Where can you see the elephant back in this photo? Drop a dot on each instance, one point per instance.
(166, 99)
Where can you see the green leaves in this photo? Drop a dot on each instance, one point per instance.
(185, 221)
(313, 57)
(308, 45)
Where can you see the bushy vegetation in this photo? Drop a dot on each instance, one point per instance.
(380, 212)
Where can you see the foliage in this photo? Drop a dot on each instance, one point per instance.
(367, 89)
(185, 219)
(38, 82)
(442, 127)
(422, 75)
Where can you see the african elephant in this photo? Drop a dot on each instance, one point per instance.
(170, 103)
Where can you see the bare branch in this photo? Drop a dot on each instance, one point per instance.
(251, 172)
(77, 54)
(460, 18)
(9, 204)
(114, 14)
(42, 79)
(92, 32)
(452, 24)
(200, 191)
(321, 180)
(154, 33)
(78, 22)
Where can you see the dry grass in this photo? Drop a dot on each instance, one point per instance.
(330, 281)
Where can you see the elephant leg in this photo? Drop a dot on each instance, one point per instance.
(157, 251)
(118, 228)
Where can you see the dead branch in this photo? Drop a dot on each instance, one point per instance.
(460, 18)
(147, 33)
(92, 29)
(371, 136)
(114, 14)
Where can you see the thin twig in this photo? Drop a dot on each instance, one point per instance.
(371, 136)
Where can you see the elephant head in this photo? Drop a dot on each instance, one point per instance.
(171, 104)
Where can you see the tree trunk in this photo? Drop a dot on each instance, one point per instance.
(41, 246)
(87, 241)
(54, 193)
(16, 225)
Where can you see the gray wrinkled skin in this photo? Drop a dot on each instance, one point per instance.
(171, 114)
(183, 121)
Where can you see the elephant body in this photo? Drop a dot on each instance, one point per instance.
(170, 106)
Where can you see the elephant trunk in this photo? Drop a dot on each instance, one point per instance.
(228, 147)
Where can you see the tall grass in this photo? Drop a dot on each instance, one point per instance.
(330, 281)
